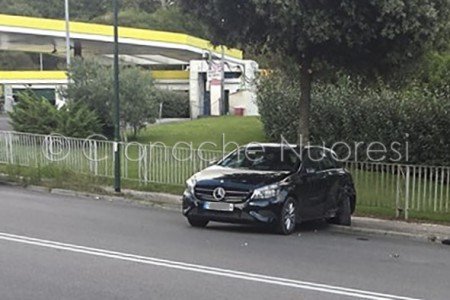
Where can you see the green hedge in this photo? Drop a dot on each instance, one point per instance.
(349, 112)
(175, 104)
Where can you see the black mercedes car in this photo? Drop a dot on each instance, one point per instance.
(274, 184)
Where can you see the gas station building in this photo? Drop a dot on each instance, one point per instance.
(178, 62)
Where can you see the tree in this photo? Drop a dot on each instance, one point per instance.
(139, 99)
(363, 36)
(92, 84)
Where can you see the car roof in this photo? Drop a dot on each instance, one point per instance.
(276, 145)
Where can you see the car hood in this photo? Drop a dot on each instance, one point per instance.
(237, 178)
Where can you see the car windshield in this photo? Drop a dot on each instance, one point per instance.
(263, 159)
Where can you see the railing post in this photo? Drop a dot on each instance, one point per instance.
(5, 138)
(397, 196)
(407, 192)
(10, 148)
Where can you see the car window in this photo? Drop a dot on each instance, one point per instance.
(335, 159)
(328, 162)
(312, 159)
(262, 159)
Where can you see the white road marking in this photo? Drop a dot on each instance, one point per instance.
(361, 294)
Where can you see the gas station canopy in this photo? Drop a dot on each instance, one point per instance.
(137, 46)
(189, 64)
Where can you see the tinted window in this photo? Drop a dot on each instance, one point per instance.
(328, 162)
(262, 159)
(334, 158)
(312, 158)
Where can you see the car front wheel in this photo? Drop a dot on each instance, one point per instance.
(288, 217)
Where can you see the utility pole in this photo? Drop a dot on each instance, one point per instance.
(116, 100)
(67, 33)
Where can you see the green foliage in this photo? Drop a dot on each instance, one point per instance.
(37, 115)
(342, 32)
(147, 5)
(277, 105)
(18, 7)
(80, 9)
(435, 73)
(139, 98)
(75, 119)
(167, 19)
(153, 14)
(175, 104)
(34, 115)
(92, 84)
(368, 37)
(349, 112)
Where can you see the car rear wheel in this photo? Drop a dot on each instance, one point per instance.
(200, 223)
(344, 211)
(288, 217)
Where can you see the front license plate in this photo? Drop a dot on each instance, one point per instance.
(220, 206)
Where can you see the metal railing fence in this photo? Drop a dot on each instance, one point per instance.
(400, 187)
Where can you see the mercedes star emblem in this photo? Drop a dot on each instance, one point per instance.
(219, 194)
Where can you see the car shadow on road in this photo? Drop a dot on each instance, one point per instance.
(310, 226)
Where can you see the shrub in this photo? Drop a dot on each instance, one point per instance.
(349, 112)
(75, 119)
(36, 115)
(175, 104)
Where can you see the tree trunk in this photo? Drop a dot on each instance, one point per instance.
(305, 100)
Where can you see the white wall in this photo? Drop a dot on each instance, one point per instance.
(245, 99)
(242, 90)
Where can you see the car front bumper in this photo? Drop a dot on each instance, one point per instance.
(259, 211)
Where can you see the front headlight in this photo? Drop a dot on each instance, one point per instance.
(190, 185)
(266, 192)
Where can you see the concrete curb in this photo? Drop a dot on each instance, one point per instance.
(36, 188)
(161, 198)
(378, 232)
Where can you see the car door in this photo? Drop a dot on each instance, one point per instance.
(336, 176)
(331, 179)
(310, 185)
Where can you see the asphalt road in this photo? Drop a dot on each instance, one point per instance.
(55, 247)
